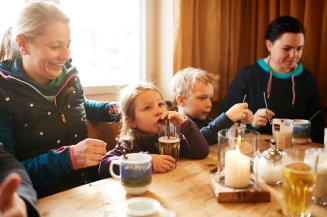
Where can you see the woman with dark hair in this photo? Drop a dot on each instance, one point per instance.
(290, 89)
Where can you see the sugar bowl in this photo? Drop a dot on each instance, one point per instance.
(268, 166)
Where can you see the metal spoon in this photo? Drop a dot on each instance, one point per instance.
(264, 96)
(314, 115)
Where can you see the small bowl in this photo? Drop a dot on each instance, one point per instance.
(301, 131)
(142, 206)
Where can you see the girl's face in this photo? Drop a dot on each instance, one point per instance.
(148, 108)
(285, 52)
(45, 55)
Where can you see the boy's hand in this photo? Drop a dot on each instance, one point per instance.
(249, 117)
(174, 117)
(239, 112)
(162, 163)
(261, 117)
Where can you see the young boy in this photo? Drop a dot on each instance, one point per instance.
(193, 91)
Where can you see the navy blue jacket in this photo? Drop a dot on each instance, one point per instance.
(39, 123)
(210, 128)
(252, 81)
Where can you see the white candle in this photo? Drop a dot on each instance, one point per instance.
(237, 169)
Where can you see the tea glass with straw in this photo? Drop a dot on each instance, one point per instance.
(169, 141)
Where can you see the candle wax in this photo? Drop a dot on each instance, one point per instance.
(237, 169)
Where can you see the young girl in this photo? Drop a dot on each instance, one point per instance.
(143, 108)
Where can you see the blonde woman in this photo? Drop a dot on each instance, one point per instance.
(43, 111)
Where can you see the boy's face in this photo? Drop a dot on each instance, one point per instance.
(199, 103)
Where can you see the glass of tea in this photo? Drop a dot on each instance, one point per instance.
(299, 177)
(169, 141)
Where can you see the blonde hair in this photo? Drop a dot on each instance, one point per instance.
(184, 80)
(30, 24)
(127, 106)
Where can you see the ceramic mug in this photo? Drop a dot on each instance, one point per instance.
(135, 172)
(301, 131)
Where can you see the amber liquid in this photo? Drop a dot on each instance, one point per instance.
(170, 147)
(298, 186)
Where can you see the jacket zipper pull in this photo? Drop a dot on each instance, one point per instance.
(63, 118)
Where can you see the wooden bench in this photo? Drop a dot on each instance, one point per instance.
(107, 132)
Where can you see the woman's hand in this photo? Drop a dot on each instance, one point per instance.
(162, 163)
(11, 205)
(174, 117)
(89, 152)
(261, 117)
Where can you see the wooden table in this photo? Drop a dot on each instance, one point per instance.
(185, 190)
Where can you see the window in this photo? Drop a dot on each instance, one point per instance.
(106, 38)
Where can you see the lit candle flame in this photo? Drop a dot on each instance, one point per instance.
(239, 139)
(238, 143)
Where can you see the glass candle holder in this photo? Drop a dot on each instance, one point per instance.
(237, 148)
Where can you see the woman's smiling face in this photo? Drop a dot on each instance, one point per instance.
(45, 55)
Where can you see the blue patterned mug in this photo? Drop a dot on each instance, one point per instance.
(135, 172)
(301, 131)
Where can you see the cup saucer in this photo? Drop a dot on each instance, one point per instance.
(142, 206)
(139, 206)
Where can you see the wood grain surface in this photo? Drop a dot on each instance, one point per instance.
(185, 190)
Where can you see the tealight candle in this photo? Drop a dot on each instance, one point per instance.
(237, 169)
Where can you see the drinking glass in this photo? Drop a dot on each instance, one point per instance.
(299, 177)
(169, 141)
(282, 130)
(320, 191)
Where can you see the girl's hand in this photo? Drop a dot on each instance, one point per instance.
(162, 163)
(174, 117)
(261, 117)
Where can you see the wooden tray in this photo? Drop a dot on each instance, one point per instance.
(256, 192)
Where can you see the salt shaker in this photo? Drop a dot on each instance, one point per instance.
(269, 166)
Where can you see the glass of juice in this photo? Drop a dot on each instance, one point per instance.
(299, 177)
(169, 141)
